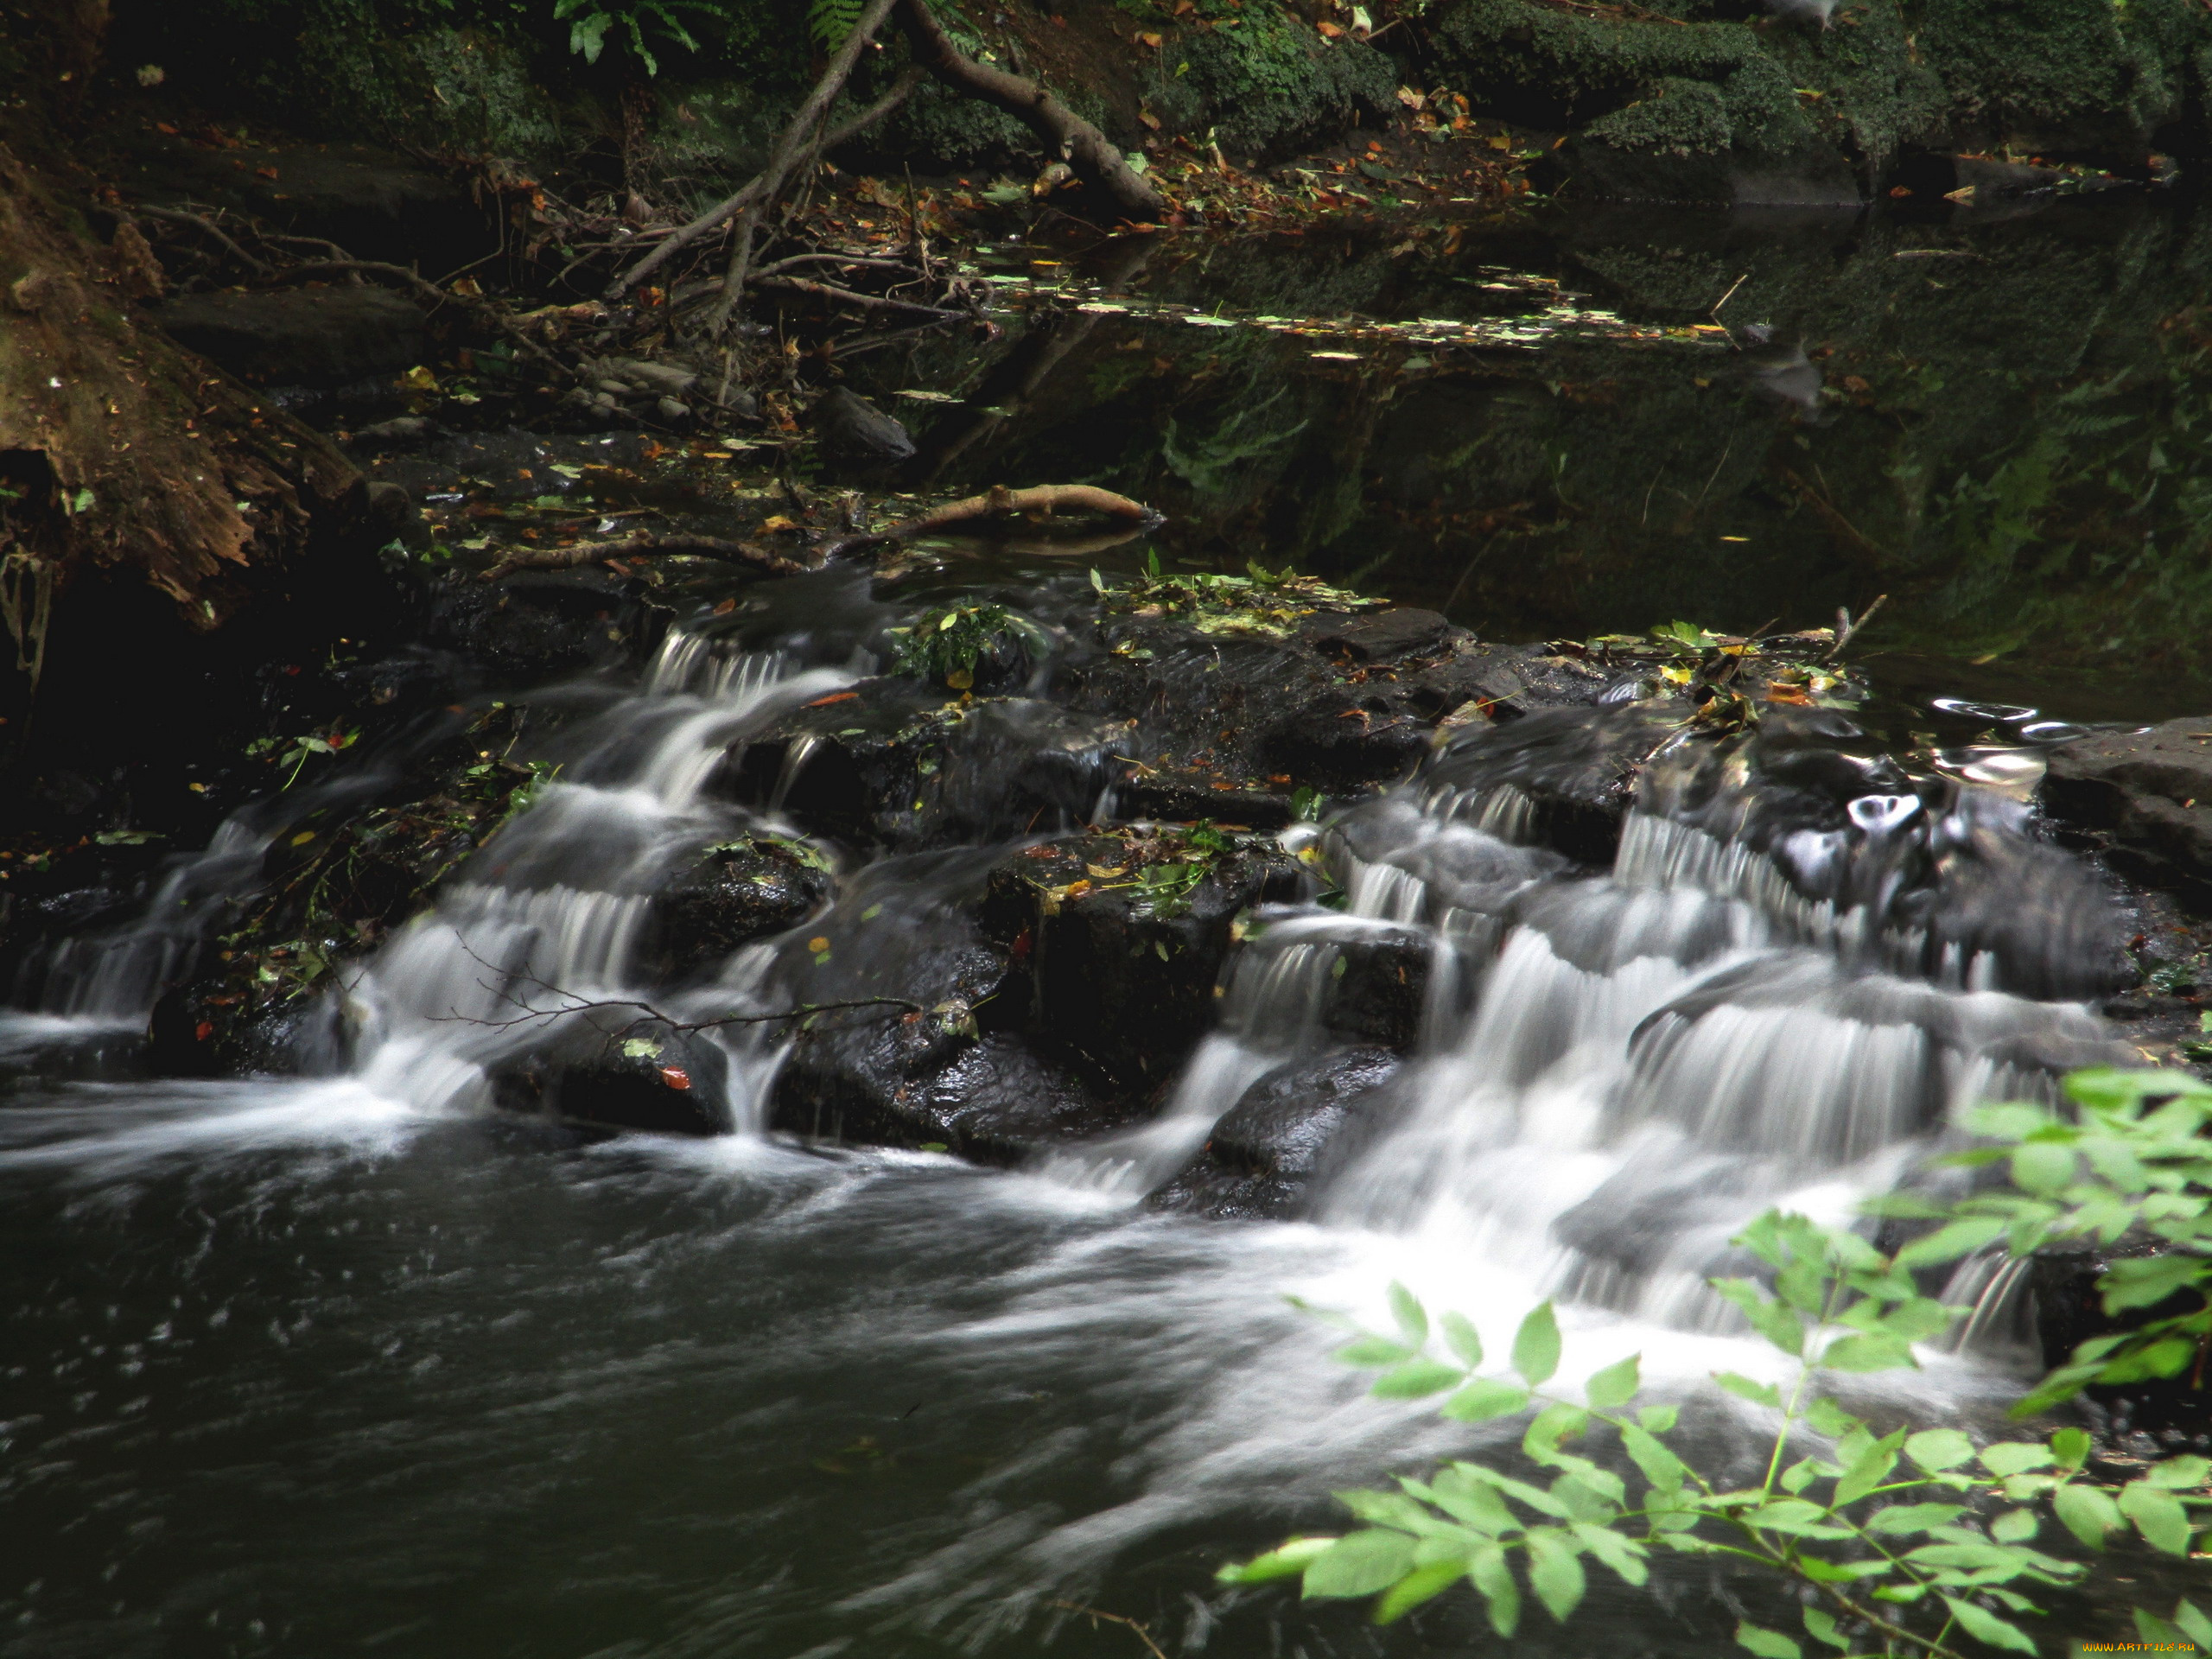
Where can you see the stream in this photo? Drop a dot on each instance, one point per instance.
(352, 1360)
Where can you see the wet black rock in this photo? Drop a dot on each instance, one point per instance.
(536, 626)
(2069, 1309)
(1297, 1124)
(2151, 792)
(895, 763)
(1123, 940)
(214, 1028)
(1561, 778)
(852, 429)
(736, 892)
(608, 1074)
(1382, 978)
(1391, 635)
(301, 337)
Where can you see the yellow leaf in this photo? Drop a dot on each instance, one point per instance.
(303, 838)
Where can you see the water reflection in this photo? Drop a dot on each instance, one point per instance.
(1534, 424)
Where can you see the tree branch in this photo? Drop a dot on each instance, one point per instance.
(1066, 135)
(643, 543)
(998, 502)
(789, 149)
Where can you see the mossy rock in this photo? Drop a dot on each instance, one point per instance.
(1268, 85)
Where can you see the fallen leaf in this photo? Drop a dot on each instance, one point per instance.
(834, 696)
(779, 522)
(675, 1076)
(726, 607)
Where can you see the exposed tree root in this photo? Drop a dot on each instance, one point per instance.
(1066, 135)
(643, 544)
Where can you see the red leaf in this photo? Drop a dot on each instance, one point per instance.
(675, 1076)
(834, 696)
(202, 1032)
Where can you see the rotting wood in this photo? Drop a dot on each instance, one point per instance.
(999, 502)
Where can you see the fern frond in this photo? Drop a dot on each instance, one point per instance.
(830, 21)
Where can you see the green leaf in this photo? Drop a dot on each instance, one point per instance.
(1416, 1378)
(1555, 1572)
(1829, 1419)
(1913, 1517)
(2178, 1474)
(1370, 1351)
(1535, 1347)
(2014, 1526)
(1412, 1317)
(2088, 1512)
(1869, 1470)
(1660, 1466)
(1616, 1385)
(1623, 1555)
(2194, 1625)
(1985, 1626)
(1359, 1564)
(1869, 1353)
(2009, 1458)
(1484, 1398)
(1821, 1627)
(1768, 1645)
(1287, 1560)
(2158, 1514)
(2156, 1631)
(1660, 1420)
(1948, 1243)
(1459, 1337)
(1417, 1586)
(2042, 1167)
(2070, 1446)
(2145, 1281)
(1937, 1449)
(1783, 1326)
(1759, 1394)
(1494, 1579)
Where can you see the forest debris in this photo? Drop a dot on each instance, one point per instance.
(1000, 502)
(642, 545)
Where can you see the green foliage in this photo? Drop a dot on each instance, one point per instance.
(1166, 884)
(590, 21)
(295, 751)
(946, 645)
(2131, 1163)
(1900, 1542)
(1269, 604)
(828, 22)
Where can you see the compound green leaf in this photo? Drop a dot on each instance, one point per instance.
(1937, 1449)
(1616, 1385)
(1555, 1572)
(1767, 1644)
(1484, 1398)
(1535, 1345)
(1417, 1586)
(1985, 1626)
(1360, 1564)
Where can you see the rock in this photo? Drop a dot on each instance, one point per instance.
(1561, 778)
(673, 410)
(407, 429)
(1384, 636)
(2067, 1309)
(643, 1075)
(852, 429)
(1123, 940)
(537, 625)
(391, 510)
(664, 379)
(301, 337)
(1295, 1124)
(893, 763)
(736, 893)
(216, 1027)
(373, 203)
(2151, 792)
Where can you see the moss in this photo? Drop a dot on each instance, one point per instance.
(1268, 85)
(2064, 74)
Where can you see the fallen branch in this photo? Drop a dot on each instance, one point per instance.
(206, 227)
(865, 302)
(1066, 135)
(429, 291)
(643, 544)
(1000, 502)
(789, 148)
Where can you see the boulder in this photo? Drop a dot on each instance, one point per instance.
(301, 336)
(1301, 1120)
(2149, 792)
(734, 894)
(1121, 940)
(644, 1075)
(853, 431)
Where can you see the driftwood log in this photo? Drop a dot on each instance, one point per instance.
(998, 503)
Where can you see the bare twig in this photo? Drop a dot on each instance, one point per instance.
(209, 228)
(1094, 1613)
(645, 544)
(789, 147)
(865, 302)
(1847, 630)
